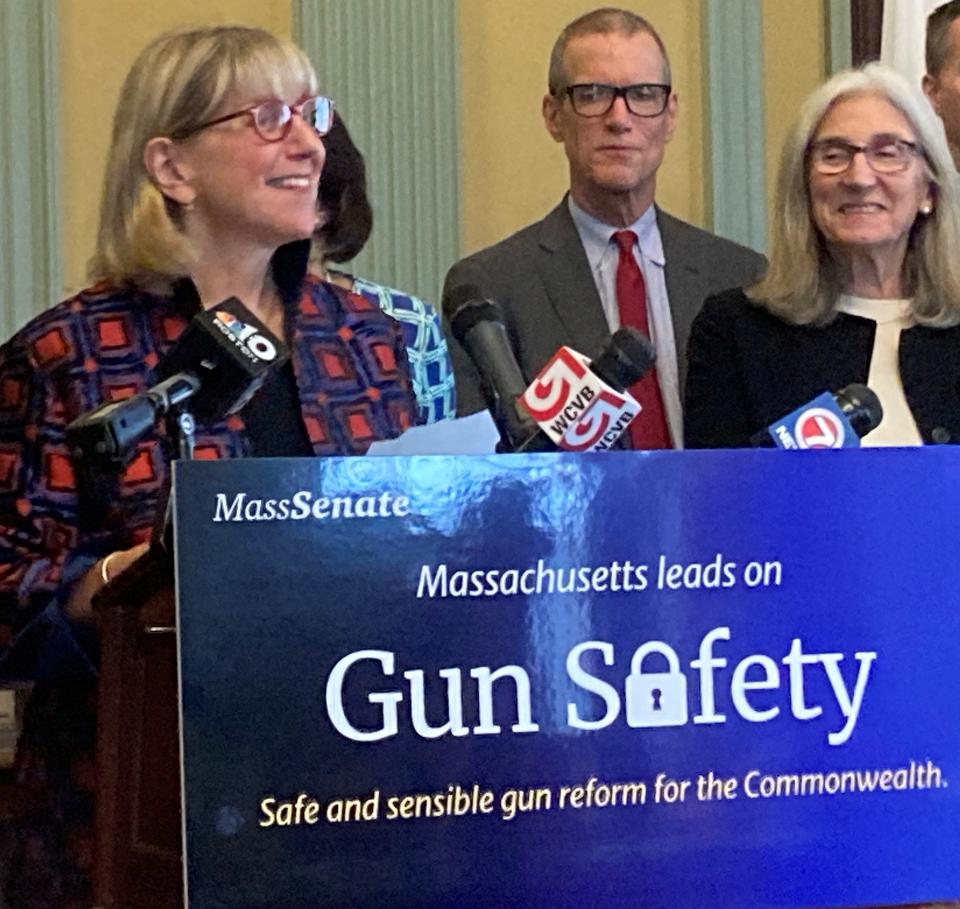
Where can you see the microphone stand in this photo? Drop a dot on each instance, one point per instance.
(179, 445)
(181, 434)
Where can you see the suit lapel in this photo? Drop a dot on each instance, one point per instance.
(569, 285)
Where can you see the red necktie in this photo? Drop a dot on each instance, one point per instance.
(649, 430)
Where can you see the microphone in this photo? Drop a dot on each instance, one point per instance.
(217, 364)
(625, 359)
(837, 420)
(564, 407)
(583, 405)
(477, 324)
(229, 351)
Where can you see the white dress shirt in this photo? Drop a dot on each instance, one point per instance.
(603, 255)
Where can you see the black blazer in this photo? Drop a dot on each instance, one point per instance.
(541, 279)
(747, 369)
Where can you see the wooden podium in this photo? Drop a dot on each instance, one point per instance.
(138, 856)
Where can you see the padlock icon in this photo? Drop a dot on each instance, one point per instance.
(656, 698)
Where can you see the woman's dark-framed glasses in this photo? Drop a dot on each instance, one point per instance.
(272, 119)
(885, 155)
(594, 99)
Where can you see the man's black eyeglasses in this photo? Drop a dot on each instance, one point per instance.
(594, 99)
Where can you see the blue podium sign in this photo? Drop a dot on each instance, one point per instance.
(724, 679)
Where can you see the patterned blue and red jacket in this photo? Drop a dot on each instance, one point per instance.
(353, 386)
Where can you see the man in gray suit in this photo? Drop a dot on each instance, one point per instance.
(611, 105)
(942, 80)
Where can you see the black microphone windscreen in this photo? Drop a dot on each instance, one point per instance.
(229, 350)
(625, 359)
(861, 406)
(465, 306)
(458, 295)
(478, 325)
(470, 314)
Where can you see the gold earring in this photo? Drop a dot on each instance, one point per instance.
(926, 208)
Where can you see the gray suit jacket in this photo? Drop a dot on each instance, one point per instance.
(541, 279)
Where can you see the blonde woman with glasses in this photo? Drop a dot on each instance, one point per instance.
(210, 193)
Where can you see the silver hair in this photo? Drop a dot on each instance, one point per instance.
(802, 284)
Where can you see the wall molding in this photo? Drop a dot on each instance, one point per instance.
(391, 67)
(734, 165)
(839, 36)
(31, 255)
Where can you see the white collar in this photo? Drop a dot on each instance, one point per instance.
(880, 311)
(596, 234)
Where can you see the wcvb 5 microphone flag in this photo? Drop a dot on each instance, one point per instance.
(602, 423)
(575, 407)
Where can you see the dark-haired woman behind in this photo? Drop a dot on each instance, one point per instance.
(344, 226)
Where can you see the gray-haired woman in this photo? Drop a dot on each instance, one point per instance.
(864, 277)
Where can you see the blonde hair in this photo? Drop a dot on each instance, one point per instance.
(178, 82)
(802, 284)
